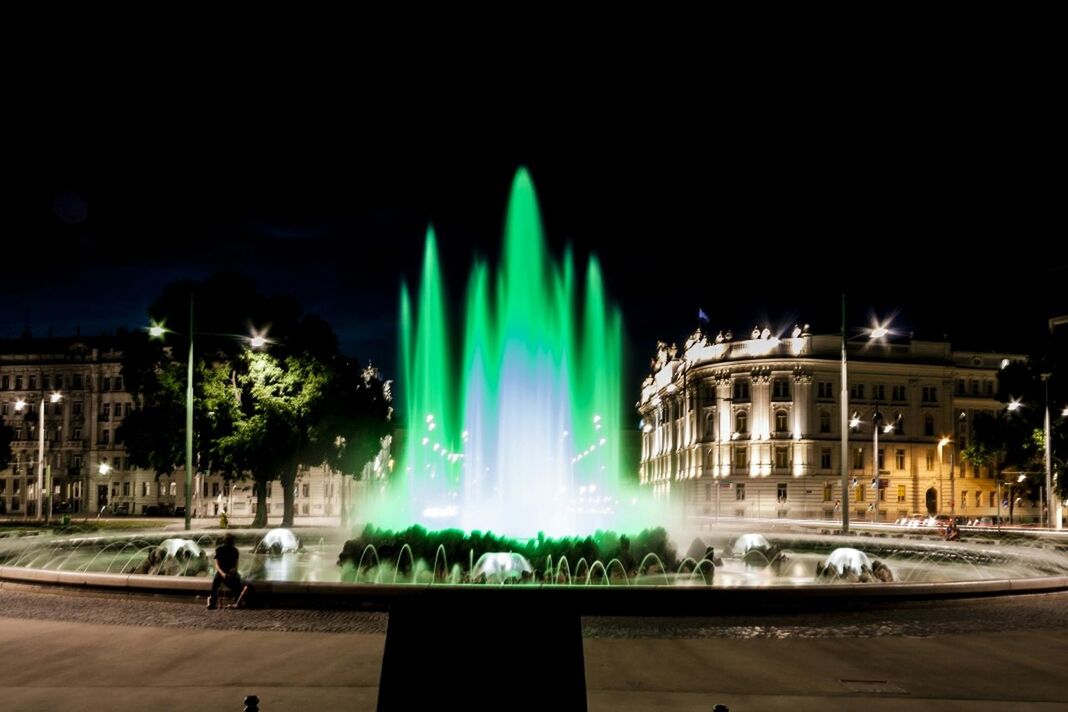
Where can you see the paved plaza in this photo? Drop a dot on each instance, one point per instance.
(77, 651)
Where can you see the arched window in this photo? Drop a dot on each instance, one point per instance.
(741, 422)
(825, 421)
(780, 421)
(710, 422)
(928, 424)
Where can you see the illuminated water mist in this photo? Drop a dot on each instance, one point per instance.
(513, 419)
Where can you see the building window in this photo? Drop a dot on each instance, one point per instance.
(882, 460)
(960, 386)
(975, 387)
(741, 423)
(898, 393)
(901, 493)
(116, 463)
(780, 421)
(978, 499)
(269, 488)
(304, 508)
(105, 384)
(105, 437)
(823, 390)
(930, 460)
(878, 392)
(781, 460)
(858, 493)
(964, 499)
(144, 489)
(77, 385)
(45, 382)
(18, 383)
(828, 491)
(780, 389)
(990, 388)
(33, 383)
(76, 408)
(741, 390)
(928, 424)
(162, 489)
(214, 489)
(59, 382)
(125, 489)
(128, 408)
(739, 492)
(781, 493)
(4, 383)
(77, 433)
(204, 490)
(118, 383)
(825, 458)
(174, 488)
(856, 391)
(825, 421)
(858, 459)
(993, 500)
(899, 459)
(76, 462)
(740, 458)
(105, 411)
(305, 489)
(930, 394)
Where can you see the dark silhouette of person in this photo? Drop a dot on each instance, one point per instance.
(226, 557)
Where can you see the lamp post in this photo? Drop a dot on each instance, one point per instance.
(941, 488)
(20, 405)
(880, 332)
(157, 331)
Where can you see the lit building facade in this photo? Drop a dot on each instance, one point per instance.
(752, 427)
(80, 437)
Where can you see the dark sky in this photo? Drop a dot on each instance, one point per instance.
(760, 205)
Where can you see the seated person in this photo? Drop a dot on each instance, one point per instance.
(226, 572)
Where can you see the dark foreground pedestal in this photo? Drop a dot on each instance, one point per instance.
(451, 653)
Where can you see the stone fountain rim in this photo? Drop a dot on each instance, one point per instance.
(593, 600)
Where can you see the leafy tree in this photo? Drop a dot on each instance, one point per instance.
(260, 415)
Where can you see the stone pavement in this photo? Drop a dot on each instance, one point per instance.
(79, 651)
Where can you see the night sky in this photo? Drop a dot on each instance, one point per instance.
(757, 212)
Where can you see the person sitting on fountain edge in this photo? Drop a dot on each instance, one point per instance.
(226, 572)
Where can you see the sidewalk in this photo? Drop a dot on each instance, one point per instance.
(77, 666)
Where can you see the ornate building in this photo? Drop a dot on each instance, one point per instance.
(88, 467)
(752, 427)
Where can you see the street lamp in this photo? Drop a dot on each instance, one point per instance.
(941, 487)
(20, 405)
(157, 331)
(878, 331)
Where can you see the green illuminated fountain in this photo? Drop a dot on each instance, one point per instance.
(516, 428)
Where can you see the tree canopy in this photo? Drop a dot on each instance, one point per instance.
(260, 415)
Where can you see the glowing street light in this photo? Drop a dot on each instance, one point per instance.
(104, 468)
(878, 332)
(156, 331)
(20, 405)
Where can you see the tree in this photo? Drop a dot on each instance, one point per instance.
(258, 415)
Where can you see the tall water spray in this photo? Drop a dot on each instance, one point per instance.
(515, 428)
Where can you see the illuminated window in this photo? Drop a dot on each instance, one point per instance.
(741, 422)
(780, 389)
(858, 459)
(901, 493)
(930, 460)
(858, 493)
(780, 421)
